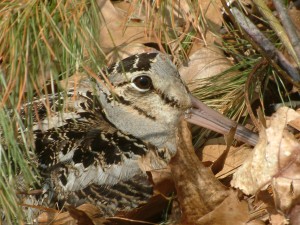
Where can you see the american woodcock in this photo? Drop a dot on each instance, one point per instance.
(91, 147)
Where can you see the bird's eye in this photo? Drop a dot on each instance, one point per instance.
(142, 83)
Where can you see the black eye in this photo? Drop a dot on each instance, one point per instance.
(142, 83)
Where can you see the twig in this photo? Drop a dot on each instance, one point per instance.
(288, 26)
(259, 66)
(268, 49)
(277, 28)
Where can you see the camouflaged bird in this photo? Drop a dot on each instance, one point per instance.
(91, 148)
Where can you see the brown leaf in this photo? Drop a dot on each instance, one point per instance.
(219, 164)
(295, 16)
(86, 214)
(230, 211)
(192, 180)
(214, 19)
(115, 32)
(294, 215)
(295, 123)
(205, 62)
(162, 181)
(213, 148)
(278, 219)
(275, 161)
(147, 212)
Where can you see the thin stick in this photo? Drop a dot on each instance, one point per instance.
(288, 26)
(276, 27)
(268, 49)
(259, 66)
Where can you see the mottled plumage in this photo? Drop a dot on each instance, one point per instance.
(91, 140)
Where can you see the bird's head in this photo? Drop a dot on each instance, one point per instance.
(146, 98)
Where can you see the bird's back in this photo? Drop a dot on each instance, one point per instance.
(94, 144)
(83, 157)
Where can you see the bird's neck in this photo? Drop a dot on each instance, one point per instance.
(130, 121)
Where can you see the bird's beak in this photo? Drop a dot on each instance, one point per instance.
(206, 117)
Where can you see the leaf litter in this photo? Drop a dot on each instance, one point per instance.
(271, 169)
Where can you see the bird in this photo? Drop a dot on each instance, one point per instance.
(91, 141)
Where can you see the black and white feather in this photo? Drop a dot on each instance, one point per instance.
(90, 140)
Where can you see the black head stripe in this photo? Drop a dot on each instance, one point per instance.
(134, 63)
(140, 62)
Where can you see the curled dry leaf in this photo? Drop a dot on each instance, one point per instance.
(275, 160)
(136, 22)
(214, 19)
(294, 216)
(295, 124)
(192, 180)
(219, 163)
(145, 214)
(278, 219)
(213, 148)
(206, 62)
(86, 214)
(230, 211)
(115, 30)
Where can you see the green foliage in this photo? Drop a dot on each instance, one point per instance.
(41, 42)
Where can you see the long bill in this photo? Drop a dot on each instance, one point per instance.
(206, 117)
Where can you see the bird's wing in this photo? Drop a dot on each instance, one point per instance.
(79, 153)
(86, 159)
(77, 146)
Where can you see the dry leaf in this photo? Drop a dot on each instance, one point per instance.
(295, 16)
(294, 216)
(86, 214)
(213, 148)
(145, 213)
(278, 219)
(115, 31)
(214, 19)
(137, 22)
(230, 211)
(275, 160)
(162, 181)
(192, 180)
(219, 163)
(206, 62)
(295, 124)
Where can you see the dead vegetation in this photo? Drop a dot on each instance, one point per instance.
(236, 60)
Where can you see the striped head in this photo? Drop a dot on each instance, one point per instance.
(147, 98)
